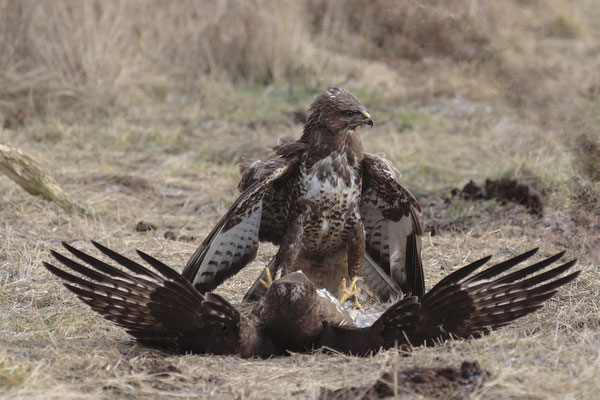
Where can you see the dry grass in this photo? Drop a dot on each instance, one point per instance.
(140, 109)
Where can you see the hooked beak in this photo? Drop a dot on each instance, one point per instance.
(368, 120)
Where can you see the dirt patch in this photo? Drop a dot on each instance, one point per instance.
(144, 227)
(505, 191)
(170, 235)
(446, 382)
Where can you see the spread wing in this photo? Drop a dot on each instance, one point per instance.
(464, 304)
(159, 308)
(257, 214)
(390, 215)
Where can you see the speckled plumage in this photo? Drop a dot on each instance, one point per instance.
(325, 203)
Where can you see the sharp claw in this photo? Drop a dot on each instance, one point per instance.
(349, 291)
(270, 280)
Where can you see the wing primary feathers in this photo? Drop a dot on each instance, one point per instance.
(456, 276)
(124, 261)
(159, 266)
(162, 310)
(475, 304)
(503, 266)
(193, 265)
(531, 269)
(99, 265)
(169, 273)
(464, 304)
(165, 310)
(548, 274)
(75, 266)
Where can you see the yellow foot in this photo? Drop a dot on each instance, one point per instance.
(348, 291)
(269, 281)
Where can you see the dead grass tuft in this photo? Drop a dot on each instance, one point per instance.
(589, 152)
(103, 56)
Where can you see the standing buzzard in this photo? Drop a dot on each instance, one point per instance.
(329, 207)
(161, 308)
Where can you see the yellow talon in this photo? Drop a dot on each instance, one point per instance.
(348, 291)
(270, 280)
(356, 305)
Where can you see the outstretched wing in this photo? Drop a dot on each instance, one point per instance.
(159, 308)
(257, 214)
(464, 304)
(390, 215)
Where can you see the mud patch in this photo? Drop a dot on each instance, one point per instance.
(170, 235)
(504, 191)
(144, 227)
(446, 382)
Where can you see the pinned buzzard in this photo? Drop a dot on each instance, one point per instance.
(329, 207)
(161, 308)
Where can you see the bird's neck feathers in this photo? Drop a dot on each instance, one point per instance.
(321, 142)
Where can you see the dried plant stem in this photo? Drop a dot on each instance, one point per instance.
(33, 178)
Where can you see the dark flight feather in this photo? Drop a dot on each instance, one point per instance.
(159, 307)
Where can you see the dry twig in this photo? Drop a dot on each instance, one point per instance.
(33, 178)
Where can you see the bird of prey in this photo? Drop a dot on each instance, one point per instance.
(161, 308)
(328, 205)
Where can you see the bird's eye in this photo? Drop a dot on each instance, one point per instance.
(349, 113)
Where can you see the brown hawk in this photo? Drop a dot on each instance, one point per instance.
(328, 205)
(161, 308)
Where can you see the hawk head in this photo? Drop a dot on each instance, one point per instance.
(291, 310)
(337, 110)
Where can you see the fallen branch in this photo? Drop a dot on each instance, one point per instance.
(31, 176)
